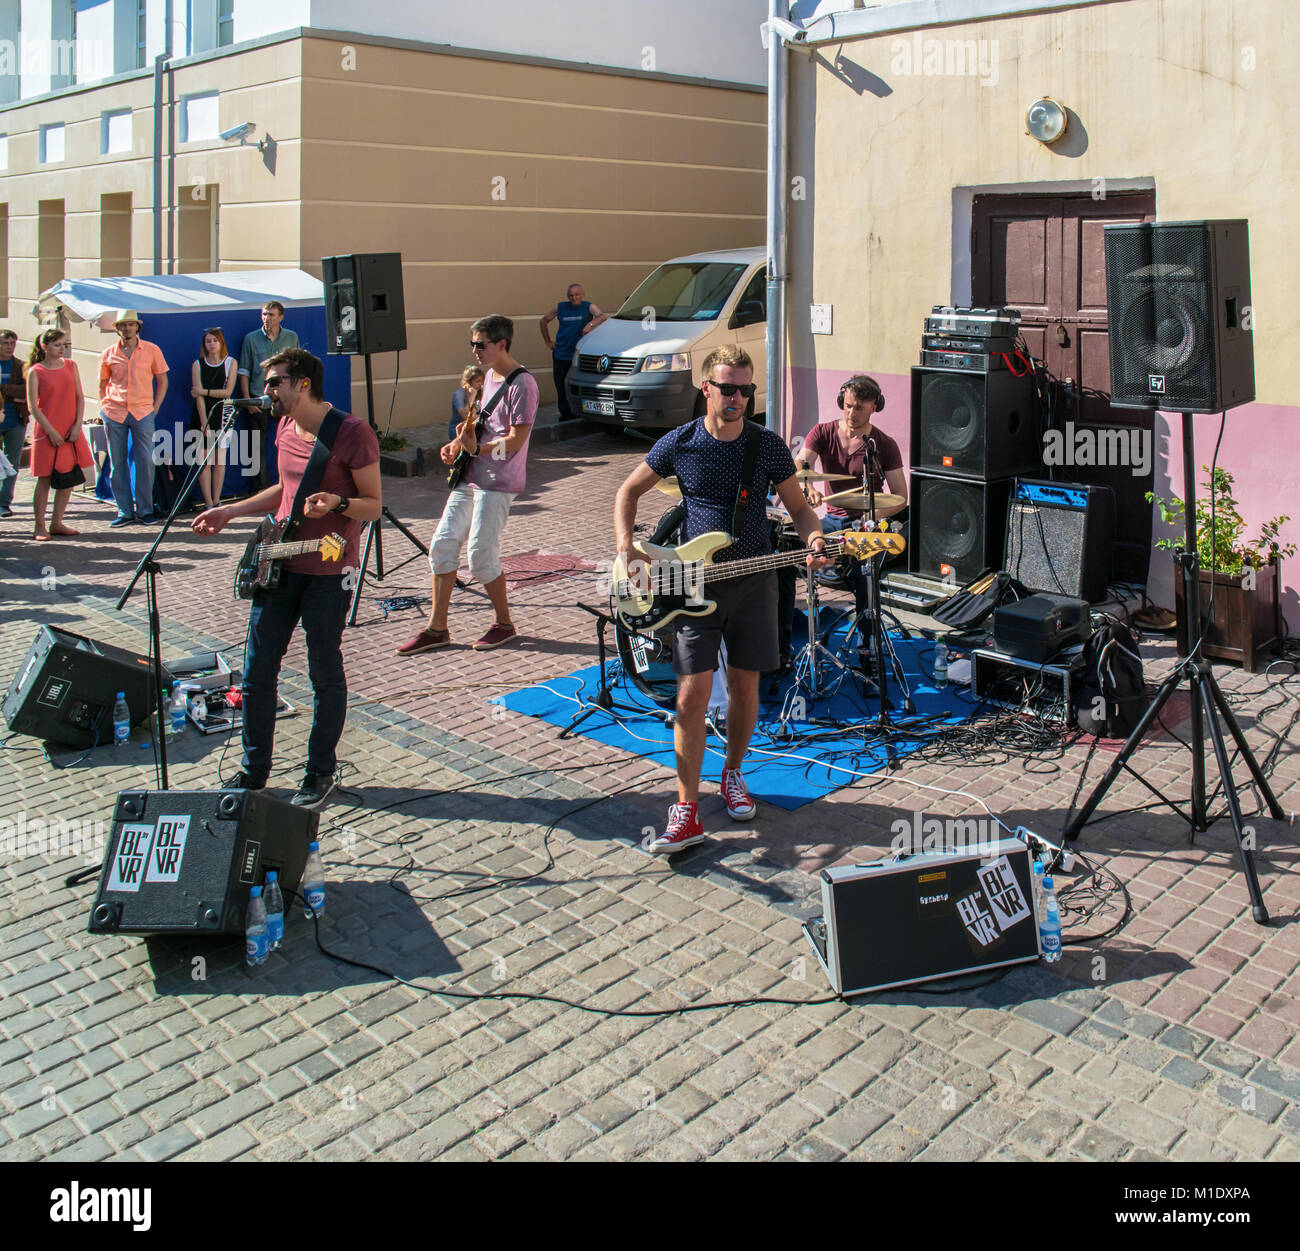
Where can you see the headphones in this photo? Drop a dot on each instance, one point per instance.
(859, 383)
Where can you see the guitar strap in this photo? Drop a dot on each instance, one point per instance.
(486, 411)
(744, 495)
(315, 471)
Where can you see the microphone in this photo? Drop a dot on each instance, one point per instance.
(262, 401)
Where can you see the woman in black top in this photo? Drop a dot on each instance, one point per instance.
(213, 380)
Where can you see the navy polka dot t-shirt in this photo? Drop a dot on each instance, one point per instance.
(708, 471)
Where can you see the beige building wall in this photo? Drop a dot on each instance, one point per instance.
(256, 208)
(1200, 98)
(502, 182)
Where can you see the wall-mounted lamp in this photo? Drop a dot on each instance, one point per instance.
(1045, 120)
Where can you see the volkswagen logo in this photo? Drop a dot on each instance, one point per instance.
(602, 365)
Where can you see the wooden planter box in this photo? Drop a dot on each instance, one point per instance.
(1245, 624)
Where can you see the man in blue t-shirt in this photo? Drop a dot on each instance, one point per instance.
(706, 456)
(13, 427)
(577, 316)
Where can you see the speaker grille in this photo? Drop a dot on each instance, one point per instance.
(1045, 549)
(952, 421)
(958, 527)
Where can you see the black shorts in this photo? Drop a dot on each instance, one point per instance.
(745, 618)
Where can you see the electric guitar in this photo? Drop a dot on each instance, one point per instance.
(260, 567)
(678, 576)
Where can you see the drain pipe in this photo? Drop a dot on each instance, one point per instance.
(159, 62)
(777, 31)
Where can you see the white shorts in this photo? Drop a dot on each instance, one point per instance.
(477, 516)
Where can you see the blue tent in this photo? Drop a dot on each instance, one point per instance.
(175, 310)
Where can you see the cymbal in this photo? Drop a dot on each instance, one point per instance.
(669, 487)
(815, 475)
(857, 500)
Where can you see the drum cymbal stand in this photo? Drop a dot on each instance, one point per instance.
(811, 663)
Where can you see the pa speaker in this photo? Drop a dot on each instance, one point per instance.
(182, 862)
(364, 308)
(958, 526)
(930, 915)
(65, 689)
(976, 424)
(1179, 301)
(1060, 538)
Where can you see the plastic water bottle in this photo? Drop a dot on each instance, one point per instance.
(941, 664)
(313, 883)
(274, 911)
(1049, 922)
(121, 721)
(176, 714)
(255, 935)
(1037, 882)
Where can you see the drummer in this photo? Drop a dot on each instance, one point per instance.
(841, 446)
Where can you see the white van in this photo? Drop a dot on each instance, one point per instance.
(642, 367)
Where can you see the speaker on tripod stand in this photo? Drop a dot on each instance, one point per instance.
(365, 312)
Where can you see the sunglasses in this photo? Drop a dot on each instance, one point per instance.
(272, 381)
(729, 389)
(481, 345)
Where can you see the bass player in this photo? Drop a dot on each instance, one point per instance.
(345, 493)
(707, 457)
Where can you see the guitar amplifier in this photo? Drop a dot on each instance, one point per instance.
(925, 917)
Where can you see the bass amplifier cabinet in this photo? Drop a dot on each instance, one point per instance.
(66, 687)
(958, 526)
(926, 917)
(1061, 537)
(182, 862)
(976, 423)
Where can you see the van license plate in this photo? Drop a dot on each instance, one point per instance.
(604, 407)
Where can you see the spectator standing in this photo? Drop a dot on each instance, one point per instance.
(132, 387)
(258, 347)
(13, 427)
(577, 316)
(465, 403)
(59, 443)
(212, 379)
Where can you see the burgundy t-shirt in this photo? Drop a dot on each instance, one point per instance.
(827, 442)
(355, 447)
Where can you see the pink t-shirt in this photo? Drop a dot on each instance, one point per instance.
(355, 447)
(518, 407)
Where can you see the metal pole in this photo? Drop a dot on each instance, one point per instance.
(777, 231)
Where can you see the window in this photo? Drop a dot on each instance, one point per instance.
(115, 235)
(51, 144)
(199, 117)
(115, 131)
(4, 259)
(49, 243)
(141, 33)
(4, 151)
(225, 22)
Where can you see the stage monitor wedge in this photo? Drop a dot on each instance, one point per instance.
(364, 307)
(1178, 295)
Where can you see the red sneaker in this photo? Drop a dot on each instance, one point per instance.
(684, 830)
(740, 803)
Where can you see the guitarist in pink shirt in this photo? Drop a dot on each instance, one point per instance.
(310, 590)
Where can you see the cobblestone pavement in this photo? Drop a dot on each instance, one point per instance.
(1172, 1039)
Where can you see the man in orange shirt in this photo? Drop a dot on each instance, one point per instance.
(128, 405)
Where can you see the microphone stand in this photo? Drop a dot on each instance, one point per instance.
(150, 567)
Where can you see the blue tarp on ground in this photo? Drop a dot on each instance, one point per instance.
(778, 771)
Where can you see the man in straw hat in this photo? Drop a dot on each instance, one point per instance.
(132, 386)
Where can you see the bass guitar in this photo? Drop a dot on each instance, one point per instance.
(671, 581)
(261, 565)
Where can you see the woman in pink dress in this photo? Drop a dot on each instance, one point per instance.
(56, 401)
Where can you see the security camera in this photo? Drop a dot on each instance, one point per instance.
(787, 30)
(239, 133)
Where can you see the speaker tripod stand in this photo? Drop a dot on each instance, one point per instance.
(1206, 697)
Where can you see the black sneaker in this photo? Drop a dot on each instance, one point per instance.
(244, 782)
(314, 791)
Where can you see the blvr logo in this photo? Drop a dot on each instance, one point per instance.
(102, 1203)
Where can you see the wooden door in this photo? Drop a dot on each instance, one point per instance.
(1045, 256)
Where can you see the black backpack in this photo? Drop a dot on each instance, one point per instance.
(1112, 694)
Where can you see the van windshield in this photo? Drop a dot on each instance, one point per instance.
(683, 291)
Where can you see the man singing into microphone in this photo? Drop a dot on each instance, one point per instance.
(843, 447)
(346, 493)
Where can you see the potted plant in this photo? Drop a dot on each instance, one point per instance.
(1240, 578)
